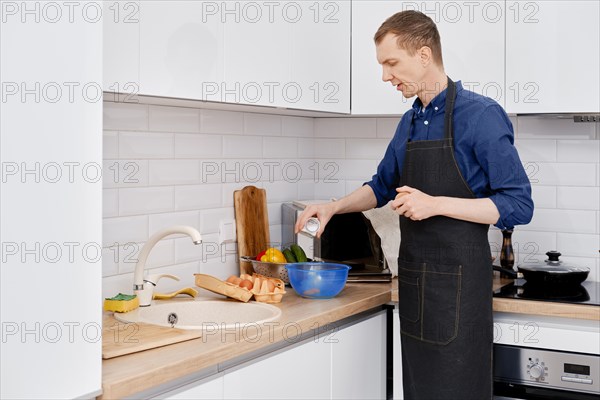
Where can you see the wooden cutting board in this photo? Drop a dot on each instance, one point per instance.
(252, 223)
(119, 338)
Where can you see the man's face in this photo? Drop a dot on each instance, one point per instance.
(402, 70)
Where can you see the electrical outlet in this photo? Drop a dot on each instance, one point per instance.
(227, 231)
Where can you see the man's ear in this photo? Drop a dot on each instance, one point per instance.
(425, 55)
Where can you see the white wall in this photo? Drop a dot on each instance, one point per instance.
(189, 161)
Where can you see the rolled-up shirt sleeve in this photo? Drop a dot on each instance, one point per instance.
(508, 185)
(387, 178)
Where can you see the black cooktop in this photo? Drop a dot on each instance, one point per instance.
(587, 293)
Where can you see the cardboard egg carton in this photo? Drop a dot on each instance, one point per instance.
(265, 289)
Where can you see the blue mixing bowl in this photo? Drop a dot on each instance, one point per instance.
(317, 280)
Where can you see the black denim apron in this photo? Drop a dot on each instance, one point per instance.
(444, 282)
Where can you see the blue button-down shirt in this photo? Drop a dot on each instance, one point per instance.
(483, 147)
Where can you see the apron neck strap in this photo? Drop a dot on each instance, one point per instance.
(449, 109)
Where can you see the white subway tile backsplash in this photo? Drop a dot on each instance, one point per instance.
(145, 145)
(174, 119)
(280, 147)
(207, 154)
(306, 148)
(221, 269)
(569, 221)
(366, 148)
(162, 254)
(386, 127)
(536, 150)
(221, 122)
(110, 144)
(174, 172)
(242, 146)
(186, 251)
(148, 200)
(579, 151)
(297, 126)
(110, 203)
(124, 173)
(330, 148)
(124, 230)
(166, 220)
(579, 198)
(125, 116)
(110, 266)
(197, 197)
(281, 191)
(346, 127)
(562, 174)
(198, 146)
(543, 196)
(210, 219)
(548, 127)
(262, 124)
(570, 244)
(356, 169)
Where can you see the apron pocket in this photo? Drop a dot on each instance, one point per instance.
(441, 302)
(409, 295)
(429, 301)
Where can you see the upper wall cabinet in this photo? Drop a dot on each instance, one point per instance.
(472, 35)
(552, 58)
(181, 49)
(121, 51)
(283, 54)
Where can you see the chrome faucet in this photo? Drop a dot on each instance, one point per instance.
(144, 287)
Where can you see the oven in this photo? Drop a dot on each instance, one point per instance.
(550, 358)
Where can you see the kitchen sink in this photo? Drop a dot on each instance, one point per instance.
(202, 314)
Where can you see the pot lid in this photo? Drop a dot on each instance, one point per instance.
(552, 265)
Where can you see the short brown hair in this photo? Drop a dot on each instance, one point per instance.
(414, 30)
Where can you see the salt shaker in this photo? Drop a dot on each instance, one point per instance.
(311, 227)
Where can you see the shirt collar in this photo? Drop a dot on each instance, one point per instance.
(438, 101)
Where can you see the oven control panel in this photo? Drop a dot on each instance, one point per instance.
(547, 368)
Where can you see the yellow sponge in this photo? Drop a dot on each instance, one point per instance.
(121, 303)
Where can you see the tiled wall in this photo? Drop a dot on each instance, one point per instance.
(172, 165)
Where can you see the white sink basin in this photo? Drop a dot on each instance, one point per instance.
(202, 314)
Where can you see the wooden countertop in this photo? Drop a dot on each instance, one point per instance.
(126, 375)
(130, 374)
(578, 311)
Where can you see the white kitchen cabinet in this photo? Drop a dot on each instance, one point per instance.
(302, 372)
(181, 49)
(320, 56)
(289, 54)
(397, 356)
(279, 54)
(121, 51)
(358, 357)
(472, 35)
(210, 388)
(552, 57)
(51, 200)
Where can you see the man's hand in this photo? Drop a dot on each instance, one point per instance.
(323, 212)
(414, 204)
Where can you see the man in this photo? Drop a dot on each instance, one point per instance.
(450, 170)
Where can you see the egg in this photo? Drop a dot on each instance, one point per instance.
(270, 287)
(246, 284)
(233, 280)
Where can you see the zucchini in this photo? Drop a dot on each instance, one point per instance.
(299, 253)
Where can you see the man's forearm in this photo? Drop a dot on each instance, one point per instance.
(361, 199)
(482, 211)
